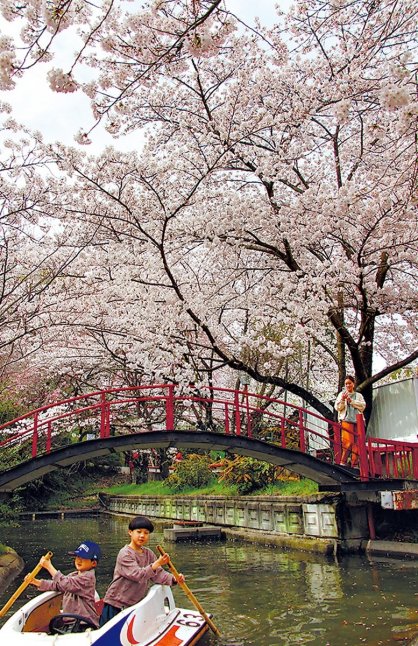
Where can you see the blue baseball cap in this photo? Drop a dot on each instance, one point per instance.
(87, 550)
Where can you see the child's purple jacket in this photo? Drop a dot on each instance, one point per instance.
(131, 577)
(79, 592)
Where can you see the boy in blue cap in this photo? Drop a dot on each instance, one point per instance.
(79, 587)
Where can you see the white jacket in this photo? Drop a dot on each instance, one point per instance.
(357, 402)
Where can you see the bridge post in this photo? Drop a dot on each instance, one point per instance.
(415, 462)
(247, 406)
(35, 435)
(104, 417)
(48, 438)
(227, 430)
(237, 414)
(362, 449)
(169, 409)
(337, 441)
(283, 432)
(302, 442)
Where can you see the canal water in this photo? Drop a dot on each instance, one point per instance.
(259, 595)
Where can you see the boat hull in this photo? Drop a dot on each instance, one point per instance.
(154, 621)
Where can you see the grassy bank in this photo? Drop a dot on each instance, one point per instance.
(75, 489)
(285, 488)
(83, 491)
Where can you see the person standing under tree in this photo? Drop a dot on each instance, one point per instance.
(348, 404)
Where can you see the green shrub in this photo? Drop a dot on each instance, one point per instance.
(193, 471)
(9, 513)
(67, 486)
(248, 474)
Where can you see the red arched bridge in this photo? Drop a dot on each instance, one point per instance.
(166, 415)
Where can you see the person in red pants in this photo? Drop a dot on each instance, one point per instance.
(348, 404)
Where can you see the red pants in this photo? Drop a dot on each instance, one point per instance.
(349, 443)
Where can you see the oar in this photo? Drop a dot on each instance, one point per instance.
(190, 594)
(23, 586)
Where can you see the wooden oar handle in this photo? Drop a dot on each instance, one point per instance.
(39, 567)
(189, 593)
(24, 585)
(170, 564)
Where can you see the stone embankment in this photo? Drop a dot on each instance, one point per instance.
(11, 564)
(323, 522)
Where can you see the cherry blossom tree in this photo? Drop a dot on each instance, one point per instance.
(159, 30)
(35, 250)
(272, 212)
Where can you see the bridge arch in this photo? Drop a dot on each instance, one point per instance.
(301, 463)
(167, 415)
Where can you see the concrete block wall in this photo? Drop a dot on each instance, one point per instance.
(316, 516)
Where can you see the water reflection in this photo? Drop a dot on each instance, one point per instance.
(259, 595)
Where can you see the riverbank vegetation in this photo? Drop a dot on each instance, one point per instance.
(190, 477)
(9, 512)
(78, 486)
(290, 488)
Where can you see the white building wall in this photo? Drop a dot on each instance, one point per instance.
(318, 439)
(395, 411)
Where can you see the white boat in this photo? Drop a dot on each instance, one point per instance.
(154, 621)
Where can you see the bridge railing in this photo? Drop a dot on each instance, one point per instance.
(132, 409)
(90, 415)
(121, 411)
(392, 459)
